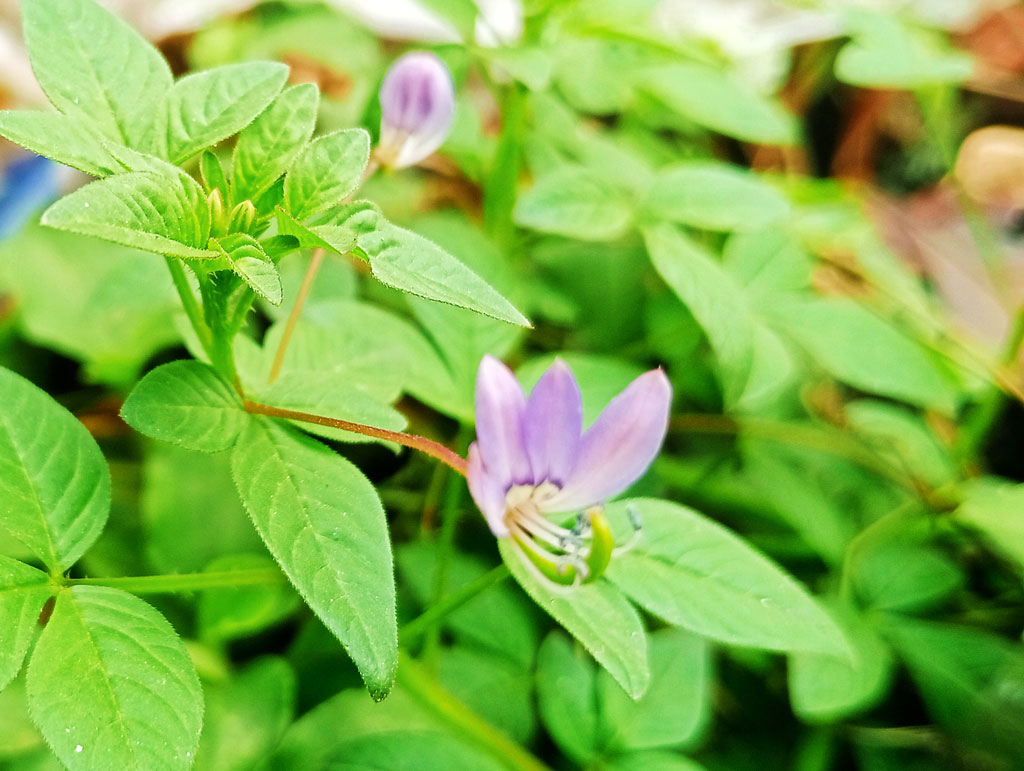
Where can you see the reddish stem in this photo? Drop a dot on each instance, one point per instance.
(416, 442)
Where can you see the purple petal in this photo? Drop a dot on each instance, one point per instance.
(554, 422)
(487, 493)
(621, 444)
(500, 410)
(417, 104)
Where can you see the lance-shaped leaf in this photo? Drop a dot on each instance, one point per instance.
(204, 108)
(598, 616)
(155, 212)
(64, 139)
(326, 171)
(267, 147)
(406, 261)
(186, 403)
(576, 203)
(94, 67)
(54, 481)
(247, 258)
(111, 651)
(323, 522)
(694, 573)
(23, 590)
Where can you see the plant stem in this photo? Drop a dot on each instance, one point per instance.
(413, 441)
(433, 615)
(186, 582)
(423, 688)
(188, 301)
(296, 311)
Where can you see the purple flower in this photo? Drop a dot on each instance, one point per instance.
(417, 105)
(532, 458)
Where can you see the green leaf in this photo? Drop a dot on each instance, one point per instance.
(247, 258)
(327, 171)
(406, 261)
(597, 615)
(475, 677)
(267, 147)
(406, 750)
(971, 681)
(246, 716)
(323, 522)
(157, 213)
(186, 403)
(677, 706)
(694, 573)
(111, 651)
(64, 139)
(713, 298)
(230, 614)
(567, 697)
(854, 345)
(206, 107)
(826, 689)
(996, 508)
(577, 203)
(23, 591)
(94, 67)
(895, 574)
(714, 196)
(54, 481)
(887, 53)
(721, 102)
(653, 761)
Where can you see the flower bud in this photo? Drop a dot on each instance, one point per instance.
(417, 105)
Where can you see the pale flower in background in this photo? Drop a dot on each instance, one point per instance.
(417, 106)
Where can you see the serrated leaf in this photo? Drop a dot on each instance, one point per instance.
(597, 615)
(94, 67)
(186, 403)
(693, 573)
(720, 101)
(323, 522)
(714, 299)
(54, 481)
(206, 107)
(714, 196)
(267, 147)
(577, 203)
(403, 260)
(325, 172)
(111, 651)
(163, 214)
(23, 591)
(62, 138)
(247, 258)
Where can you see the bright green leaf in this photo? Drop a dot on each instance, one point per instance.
(653, 760)
(714, 196)
(54, 481)
(324, 523)
(577, 203)
(713, 298)
(475, 677)
(23, 590)
(154, 212)
(267, 147)
(694, 573)
(62, 138)
(206, 107)
(186, 403)
(598, 616)
(406, 261)
(406, 750)
(230, 614)
(677, 706)
(94, 67)
(721, 102)
(996, 508)
(327, 171)
(567, 696)
(111, 651)
(247, 258)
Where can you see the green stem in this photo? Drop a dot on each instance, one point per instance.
(186, 582)
(433, 615)
(188, 301)
(221, 351)
(424, 689)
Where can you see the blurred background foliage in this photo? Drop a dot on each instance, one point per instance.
(807, 212)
